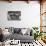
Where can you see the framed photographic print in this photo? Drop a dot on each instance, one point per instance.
(14, 15)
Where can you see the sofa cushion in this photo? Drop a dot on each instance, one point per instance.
(23, 31)
(17, 30)
(11, 30)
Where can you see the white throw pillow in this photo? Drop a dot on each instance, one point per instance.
(5, 32)
(23, 31)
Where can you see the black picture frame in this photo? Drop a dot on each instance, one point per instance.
(14, 15)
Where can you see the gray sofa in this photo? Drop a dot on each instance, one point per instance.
(17, 35)
(22, 38)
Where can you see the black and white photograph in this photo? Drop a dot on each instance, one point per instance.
(14, 15)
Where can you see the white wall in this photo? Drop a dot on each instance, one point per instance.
(30, 14)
